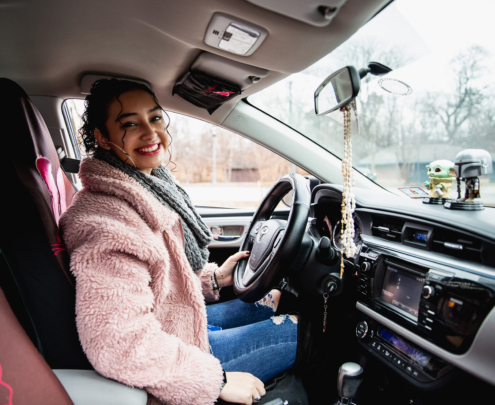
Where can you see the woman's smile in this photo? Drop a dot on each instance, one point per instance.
(149, 150)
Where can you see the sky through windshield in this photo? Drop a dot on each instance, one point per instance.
(445, 51)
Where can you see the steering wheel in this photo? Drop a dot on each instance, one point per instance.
(273, 243)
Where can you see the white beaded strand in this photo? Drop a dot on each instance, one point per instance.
(348, 202)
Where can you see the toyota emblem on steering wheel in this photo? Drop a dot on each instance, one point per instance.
(262, 233)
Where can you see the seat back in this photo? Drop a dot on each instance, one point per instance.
(34, 265)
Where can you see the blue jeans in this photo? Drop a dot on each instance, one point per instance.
(252, 339)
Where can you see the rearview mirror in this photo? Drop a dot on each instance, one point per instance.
(337, 90)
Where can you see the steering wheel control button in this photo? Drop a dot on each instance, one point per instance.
(362, 329)
(262, 233)
(279, 238)
(257, 227)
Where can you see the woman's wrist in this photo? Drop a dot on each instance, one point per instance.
(219, 278)
(224, 380)
(214, 282)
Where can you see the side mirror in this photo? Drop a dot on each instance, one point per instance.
(337, 90)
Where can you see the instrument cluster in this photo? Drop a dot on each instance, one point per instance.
(328, 222)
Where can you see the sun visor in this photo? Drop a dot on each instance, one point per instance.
(205, 90)
(213, 80)
(235, 72)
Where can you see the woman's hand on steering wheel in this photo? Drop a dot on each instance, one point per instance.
(224, 274)
(242, 388)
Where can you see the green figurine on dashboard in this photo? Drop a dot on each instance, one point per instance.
(441, 175)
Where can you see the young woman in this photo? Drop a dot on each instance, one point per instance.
(139, 254)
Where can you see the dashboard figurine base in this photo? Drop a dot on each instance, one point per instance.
(436, 201)
(464, 206)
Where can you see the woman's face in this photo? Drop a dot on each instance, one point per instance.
(141, 119)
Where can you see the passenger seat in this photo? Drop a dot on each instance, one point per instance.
(34, 265)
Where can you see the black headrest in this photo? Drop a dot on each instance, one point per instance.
(24, 137)
(11, 89)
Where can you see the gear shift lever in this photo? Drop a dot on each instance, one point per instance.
(350, 378)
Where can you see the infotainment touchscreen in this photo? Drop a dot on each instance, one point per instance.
(402, 289)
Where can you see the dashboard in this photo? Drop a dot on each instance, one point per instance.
(425, 282)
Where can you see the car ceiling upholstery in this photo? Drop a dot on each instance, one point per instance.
(47, 46)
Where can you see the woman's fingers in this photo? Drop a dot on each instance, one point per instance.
(224, 273)
(239, 255)
(242, 388)
(256, 396)
(260, 387)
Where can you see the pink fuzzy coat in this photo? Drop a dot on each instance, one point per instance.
(140, 309)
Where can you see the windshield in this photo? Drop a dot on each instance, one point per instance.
(444, 51)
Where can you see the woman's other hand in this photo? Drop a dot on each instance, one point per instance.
(242, 388)
(224, 274)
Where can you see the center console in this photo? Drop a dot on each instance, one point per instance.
(444, 306)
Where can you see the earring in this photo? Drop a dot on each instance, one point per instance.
(123, 151)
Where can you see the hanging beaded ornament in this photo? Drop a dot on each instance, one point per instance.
(348, 201)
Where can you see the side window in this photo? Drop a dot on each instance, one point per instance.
(217, 167)
(75, 107)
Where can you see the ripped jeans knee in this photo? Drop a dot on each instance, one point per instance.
(267, 301)
(280, 319)
(271, 300)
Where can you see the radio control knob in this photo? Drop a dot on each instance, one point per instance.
(428, 291)
(365, 267)
(362, 330)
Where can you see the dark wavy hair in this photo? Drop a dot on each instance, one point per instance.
(102, 93)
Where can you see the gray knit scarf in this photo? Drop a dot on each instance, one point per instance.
(162, 185)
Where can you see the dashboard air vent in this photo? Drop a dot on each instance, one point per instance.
(387, 228)
(457, 245)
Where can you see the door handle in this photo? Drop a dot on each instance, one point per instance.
(226, 233)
